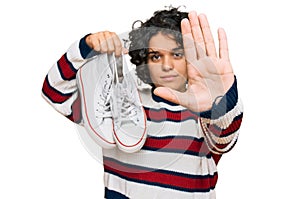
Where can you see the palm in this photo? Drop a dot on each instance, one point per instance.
(209, 75)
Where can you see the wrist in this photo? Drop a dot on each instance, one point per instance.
(85, 49)
(222, 104)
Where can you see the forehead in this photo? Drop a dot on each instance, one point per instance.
(163, 42)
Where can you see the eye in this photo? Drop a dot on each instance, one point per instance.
(155, 57)
(178, 55)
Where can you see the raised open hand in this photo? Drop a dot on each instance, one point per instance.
(209, 74)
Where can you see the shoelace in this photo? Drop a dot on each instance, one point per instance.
(103, 109)
(128, 105)
(126, 101)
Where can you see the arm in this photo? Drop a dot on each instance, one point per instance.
(221, 124)
(59, 87)
(212, 86)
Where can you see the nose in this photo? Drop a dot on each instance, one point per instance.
(167, 64)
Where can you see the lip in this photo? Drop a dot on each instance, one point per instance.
(168, 78)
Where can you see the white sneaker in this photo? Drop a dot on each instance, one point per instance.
(129, 118)
(95, 88)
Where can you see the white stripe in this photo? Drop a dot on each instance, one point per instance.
(61, 85)
(212, 144)
(171, 107)
(182, 163)
(222, 140)
(74, 56)
(63, 108)
(169, 128)
(135, 190)
(54, 76)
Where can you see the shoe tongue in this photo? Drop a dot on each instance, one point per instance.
(107, 120)
(127, 122)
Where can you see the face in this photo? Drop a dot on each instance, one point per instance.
(166, 63)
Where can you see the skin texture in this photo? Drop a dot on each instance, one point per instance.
(208, 74)
(106, 42)
(166, 63)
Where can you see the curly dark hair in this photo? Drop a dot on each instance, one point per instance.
(166, 22)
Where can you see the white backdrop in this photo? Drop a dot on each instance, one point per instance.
(40, 151)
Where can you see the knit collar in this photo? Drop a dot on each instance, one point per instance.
(156, 98)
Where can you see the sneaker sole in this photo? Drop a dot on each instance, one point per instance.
(126, 141)
(95, 132)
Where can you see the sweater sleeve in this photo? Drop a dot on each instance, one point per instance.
(59, 88)
(221, 124)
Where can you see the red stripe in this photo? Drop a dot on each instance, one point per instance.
(66, 68)
(170, 179)
(53, 94)
(223, 146)
(197, 146)
(164, 114)
(216, 157)
(76, 111)
(234, 126)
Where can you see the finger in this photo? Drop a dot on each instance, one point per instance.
(171, 95)
(92, 41)
(117, 45)
(207, 35)
(96, 45)
(125, 50)
(223, 45)
(102, 42)
(109, 42)
(188, 41)
(197, 34)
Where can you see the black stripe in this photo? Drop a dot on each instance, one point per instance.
(178, 151)
(161, 185)
(110, 194)
(85, 50)
(231, 132)
(68, 95)
(170, 119)
(227, 103)
(70, 66)
(159, 171)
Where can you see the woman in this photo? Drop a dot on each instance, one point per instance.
(192, 108)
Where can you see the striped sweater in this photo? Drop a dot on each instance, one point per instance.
(179, 158)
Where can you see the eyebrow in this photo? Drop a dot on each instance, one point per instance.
(151, 51)
(178, 48)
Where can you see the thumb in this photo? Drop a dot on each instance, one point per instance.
(125, 51)
(171, 95)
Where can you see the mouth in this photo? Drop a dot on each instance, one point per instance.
(169, 78)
